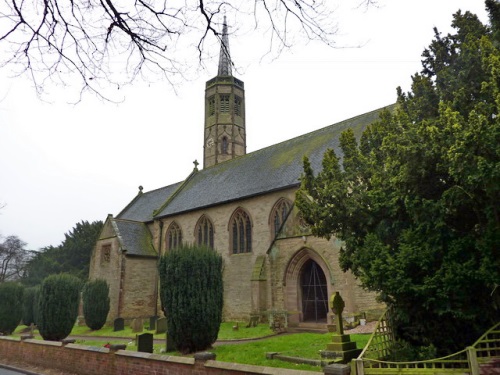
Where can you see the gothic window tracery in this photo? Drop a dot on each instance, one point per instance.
(241, 232)
(174, 236)
(279, 214)
(224, 145)
(204, 232)
(224, 103)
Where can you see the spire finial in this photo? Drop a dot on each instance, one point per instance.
(224, 56)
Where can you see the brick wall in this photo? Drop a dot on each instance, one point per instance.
(87, 360)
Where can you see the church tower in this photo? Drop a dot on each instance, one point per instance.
(225, 133)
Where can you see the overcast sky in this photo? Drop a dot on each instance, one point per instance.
(61, 164)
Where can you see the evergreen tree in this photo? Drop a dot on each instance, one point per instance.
(11, 306)
(416, 201)
(95, 296)
(58, 306)
(29, 305)
(192, 296)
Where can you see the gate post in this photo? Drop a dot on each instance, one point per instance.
(359, 366)
(472, 359)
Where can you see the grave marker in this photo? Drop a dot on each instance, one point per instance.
(118, 324)
(145, 343)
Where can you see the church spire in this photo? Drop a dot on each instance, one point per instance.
(224, 56)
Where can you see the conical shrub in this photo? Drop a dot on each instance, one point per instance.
(95, 296)
(58, 306)
(192, 296)
(11, 306)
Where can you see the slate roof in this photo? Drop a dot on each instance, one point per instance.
(272, 168)
(142, 206)
(134, 238)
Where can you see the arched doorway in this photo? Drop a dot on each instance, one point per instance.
(314, 292)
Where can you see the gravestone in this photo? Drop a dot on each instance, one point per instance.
(118, 324)
(341, 348)
(161, 325)
(152, 322)
(137, 325)
(145, 343)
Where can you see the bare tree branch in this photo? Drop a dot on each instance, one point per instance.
(110, 43)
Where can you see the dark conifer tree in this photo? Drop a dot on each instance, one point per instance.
(95, 297)
(58, 306)
(192, 296)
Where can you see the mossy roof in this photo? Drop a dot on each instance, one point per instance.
(272, 168)
(135, 238)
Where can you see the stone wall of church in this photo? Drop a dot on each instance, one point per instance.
(238, 268)
(106, 263)
(139, 292)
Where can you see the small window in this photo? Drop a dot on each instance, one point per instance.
(204, 232)
(241, 232)
(106, 253)
(237, 106)
(224, 103)
(211, 106)
(279, 214)
(174, 236)
(224, 145)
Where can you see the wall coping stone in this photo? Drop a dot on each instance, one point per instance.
(9, 338)
(89, 348)
(157, 357)
(43, 342)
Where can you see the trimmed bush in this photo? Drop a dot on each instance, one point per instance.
(58, 306)
(29, 306)
(192, 296)
(95, 296)
(11, 306)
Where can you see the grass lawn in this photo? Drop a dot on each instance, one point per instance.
(305, 345)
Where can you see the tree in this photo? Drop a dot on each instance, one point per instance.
(192, 296)
(94, 41)
(72, 256)
(11, 307)
(58, 306)
(77, 248)
(416, 199)
(13, 258)
(95, 297)
(29, 305)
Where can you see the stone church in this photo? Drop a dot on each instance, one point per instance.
(242, 206)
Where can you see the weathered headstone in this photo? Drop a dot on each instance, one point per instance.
(118, 324)
(152, 322)
(161, 325)
(137, 325)
(145, 343)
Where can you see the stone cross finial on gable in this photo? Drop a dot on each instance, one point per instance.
(196, 165)
(337, 304)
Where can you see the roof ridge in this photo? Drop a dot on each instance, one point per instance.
(300, 136)
(174, 194)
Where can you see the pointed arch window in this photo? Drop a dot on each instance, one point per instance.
(224, 145)
(211, 105)
(224, 103)
(241, 232)
(237, 106)
(174, 236)
(204, 232)
(279, 214)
